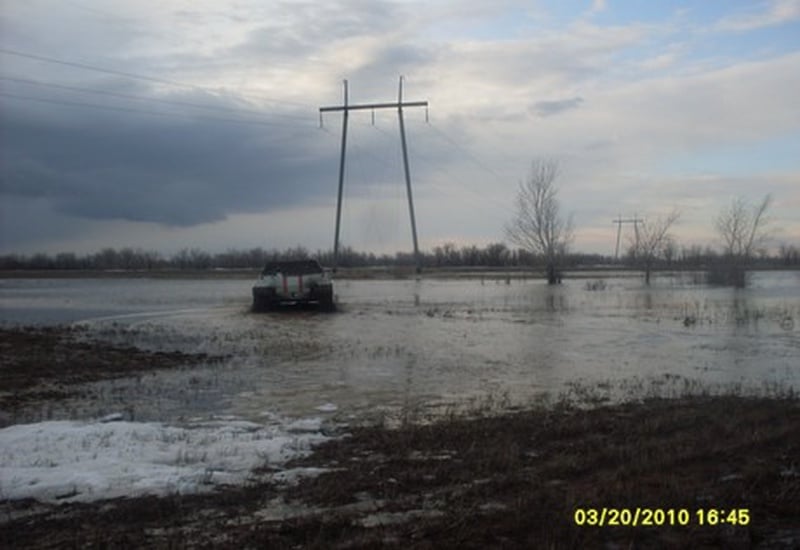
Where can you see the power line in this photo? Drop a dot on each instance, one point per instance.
(97, 69)
(479, 195)
(145, 98)
(140, 111)
(134, 76)
(465, 151)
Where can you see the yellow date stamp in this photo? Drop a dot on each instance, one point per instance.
(659, 517)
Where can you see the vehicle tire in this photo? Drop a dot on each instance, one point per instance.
(262, 301)
(326, 302)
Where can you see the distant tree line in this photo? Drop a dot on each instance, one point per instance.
(540, 227)
(496, 255)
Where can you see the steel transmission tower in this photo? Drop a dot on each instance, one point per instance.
(346, 107)
(619, 221)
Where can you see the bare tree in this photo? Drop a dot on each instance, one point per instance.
(653, 241)
(538, 225)
(742, 227)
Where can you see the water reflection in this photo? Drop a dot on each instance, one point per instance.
(645, 299)
(555, 301)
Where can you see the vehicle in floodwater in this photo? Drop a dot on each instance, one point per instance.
(293, 282)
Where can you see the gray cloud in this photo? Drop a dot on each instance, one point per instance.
(549, 108)
(186, 170)
(295, 29)
(168, 170)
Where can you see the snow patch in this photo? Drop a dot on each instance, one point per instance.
(305, 425)
(68, 461)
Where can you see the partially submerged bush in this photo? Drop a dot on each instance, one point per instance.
(597, 284)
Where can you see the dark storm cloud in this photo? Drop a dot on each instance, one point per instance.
(549, 108)
(182, 170)
(171, 170)
(188, 170)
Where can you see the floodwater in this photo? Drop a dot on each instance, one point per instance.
(419, 346)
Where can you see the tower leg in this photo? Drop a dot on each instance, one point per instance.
(341, 182)
(408, 178)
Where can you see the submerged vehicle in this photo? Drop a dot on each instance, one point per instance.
(293, 282)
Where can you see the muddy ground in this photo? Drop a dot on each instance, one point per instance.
(514, 480)
(46, 363)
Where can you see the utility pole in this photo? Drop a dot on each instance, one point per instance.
(619, 221)
(346, 108)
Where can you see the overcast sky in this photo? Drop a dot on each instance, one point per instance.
(190, 123)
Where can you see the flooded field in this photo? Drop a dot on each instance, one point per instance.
(407, 347)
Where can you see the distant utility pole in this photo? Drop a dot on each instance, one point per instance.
(619, 221)
(346, 108)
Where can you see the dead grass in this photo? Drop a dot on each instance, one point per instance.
(506, 481)
(516, 479)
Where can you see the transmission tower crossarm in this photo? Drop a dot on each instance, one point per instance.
(367, 106)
